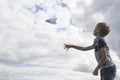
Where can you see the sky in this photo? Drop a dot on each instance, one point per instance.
(32, 49)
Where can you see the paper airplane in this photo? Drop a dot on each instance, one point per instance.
(51, 20)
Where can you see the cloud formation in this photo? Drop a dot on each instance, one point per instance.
(29, 44)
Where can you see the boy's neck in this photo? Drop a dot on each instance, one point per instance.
(99, 36)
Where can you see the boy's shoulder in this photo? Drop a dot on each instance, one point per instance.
(99, 40)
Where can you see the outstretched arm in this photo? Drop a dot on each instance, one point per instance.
(67, 46)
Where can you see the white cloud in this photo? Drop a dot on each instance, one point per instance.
(99, 17)
(31, 49)
(40, 73)
(88, 2)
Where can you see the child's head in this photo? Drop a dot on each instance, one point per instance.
(101, 29)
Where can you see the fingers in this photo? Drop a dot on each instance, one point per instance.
(64, 44)
(66, 47)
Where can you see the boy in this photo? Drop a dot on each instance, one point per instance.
(105, 63)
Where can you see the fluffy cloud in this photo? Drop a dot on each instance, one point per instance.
(41, 73)
(29, 44)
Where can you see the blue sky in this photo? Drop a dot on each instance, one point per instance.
(31, 48)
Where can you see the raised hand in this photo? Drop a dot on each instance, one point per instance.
(67, 46)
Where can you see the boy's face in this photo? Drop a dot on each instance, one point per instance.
(96, 31)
